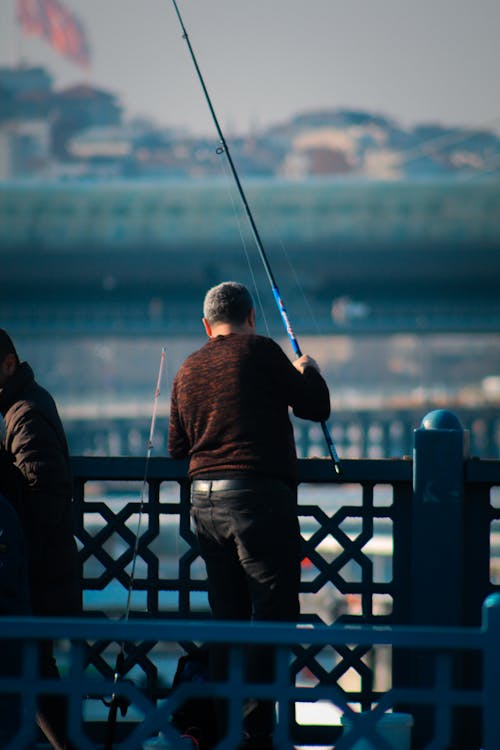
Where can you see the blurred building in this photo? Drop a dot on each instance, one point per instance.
(25, 106)
(80, 132)
(77, 108)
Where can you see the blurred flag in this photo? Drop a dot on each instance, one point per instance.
(50, 20)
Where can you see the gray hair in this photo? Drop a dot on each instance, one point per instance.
(229, 302)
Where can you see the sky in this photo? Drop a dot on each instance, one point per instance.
(266, 60)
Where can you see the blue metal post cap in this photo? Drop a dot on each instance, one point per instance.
(492, 601)
(491, 612)
(441, 419)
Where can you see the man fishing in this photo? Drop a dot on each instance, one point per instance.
(229, 415)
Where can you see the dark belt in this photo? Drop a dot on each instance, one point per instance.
(220, 485)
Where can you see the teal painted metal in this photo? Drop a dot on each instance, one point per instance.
(376, 494)
(441, 419)
(491, 662)
(438, 566)
(82, 686)
(438, 497)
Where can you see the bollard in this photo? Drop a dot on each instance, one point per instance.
(441, 444)
(437, 568)
(491, 665)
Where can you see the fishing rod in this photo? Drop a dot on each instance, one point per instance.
(223, 148)
(118, 701)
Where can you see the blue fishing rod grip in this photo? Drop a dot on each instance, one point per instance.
(286, 321)
(331, 447)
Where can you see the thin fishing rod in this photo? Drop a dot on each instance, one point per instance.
(117, 701)
(274, 286)
(144, 481)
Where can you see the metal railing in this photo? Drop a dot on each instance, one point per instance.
(83, 687)
(398, 558)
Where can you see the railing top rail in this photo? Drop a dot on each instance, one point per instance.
(285, 634)
(482, 470)
(318, 470)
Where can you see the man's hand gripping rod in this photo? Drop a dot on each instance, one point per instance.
(281, 307)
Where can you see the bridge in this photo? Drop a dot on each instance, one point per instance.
(115, 257)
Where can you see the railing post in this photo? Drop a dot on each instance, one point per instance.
(491, 671)
(440, 446)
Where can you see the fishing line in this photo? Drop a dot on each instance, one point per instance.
(117, 701)
(237, 216)
(300, 287)
(223, 148)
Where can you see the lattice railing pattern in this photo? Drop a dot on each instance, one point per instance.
(342, 522)
(441, 645)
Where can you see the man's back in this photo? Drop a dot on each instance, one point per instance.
(230, 407)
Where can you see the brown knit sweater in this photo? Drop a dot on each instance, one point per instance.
(229, 409)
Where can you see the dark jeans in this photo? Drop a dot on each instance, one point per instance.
(250, 541)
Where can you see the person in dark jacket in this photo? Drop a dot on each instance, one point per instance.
(230, 416)
(35, 444)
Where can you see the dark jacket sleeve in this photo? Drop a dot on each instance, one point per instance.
(314, 402)
(307, 392)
